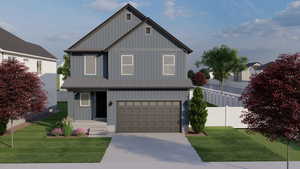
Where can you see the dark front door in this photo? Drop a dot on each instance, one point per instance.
(101, 105)
(148, 116)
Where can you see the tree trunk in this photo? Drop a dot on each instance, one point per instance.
(12, 133)
(221, 86)
(287, 155)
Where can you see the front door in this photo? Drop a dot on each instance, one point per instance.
(101, 105)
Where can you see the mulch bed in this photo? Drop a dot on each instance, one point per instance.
(66, 137)
(196, 134)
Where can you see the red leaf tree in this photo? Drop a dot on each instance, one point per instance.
(21, 91)
(273, 100)
(199, 79)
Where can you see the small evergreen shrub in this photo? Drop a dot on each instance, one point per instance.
(3, 125)
(198, 112)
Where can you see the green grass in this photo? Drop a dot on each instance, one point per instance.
(228, 144)
(33, 146)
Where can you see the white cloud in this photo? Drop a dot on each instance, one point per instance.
(265, 39)
(110, 5)
(172, 10)
(7, 26)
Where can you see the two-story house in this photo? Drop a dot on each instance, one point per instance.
(35, 57)
(131, 73)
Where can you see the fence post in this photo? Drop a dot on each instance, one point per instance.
(226, 116)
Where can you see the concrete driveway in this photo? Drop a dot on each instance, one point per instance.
(149, 150)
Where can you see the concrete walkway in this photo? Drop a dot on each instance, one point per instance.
(150, 148)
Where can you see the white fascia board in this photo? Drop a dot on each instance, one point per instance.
(28, 55)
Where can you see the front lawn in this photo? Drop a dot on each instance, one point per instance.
(228, 144)
(33, 146)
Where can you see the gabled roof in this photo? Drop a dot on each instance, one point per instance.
(10, 42)
(144, 19)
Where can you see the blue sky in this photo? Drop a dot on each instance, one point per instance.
(259, 29)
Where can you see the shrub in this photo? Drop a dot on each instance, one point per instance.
(57, 132)
(3, 125)
(198, 112)
(191, 74)
(67, 127)
(79, 132)
(206, 73)
(199, 79)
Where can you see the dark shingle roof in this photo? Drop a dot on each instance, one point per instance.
(10, 42)
(96, 83)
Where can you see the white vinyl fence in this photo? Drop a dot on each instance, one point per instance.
(229, 110)
(225, 116)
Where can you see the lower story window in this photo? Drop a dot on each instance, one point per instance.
(85, 99)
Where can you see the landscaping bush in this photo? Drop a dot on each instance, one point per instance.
(57, 132)
(3, 125)
(67, 127)
(79, 132)
(198, 112)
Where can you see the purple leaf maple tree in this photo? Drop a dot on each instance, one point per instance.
(21, 92)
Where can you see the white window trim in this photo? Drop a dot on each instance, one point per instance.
(146, 31)
(85, 66)
(126, 16)
(124, 74)
(163, 65)
(89, 100)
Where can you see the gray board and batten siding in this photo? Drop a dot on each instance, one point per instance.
(109, 32)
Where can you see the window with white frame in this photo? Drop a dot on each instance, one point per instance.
(127, 65)
(85, 99)
(169, 65)
(148, 30)
(39, 67)
(90, 65)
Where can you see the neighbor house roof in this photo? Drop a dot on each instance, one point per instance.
(144, 19)
(253, 63)
(10, 42)
(96, 83)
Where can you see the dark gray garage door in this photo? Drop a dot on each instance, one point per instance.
(148, 116)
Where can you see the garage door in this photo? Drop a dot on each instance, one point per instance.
(148, 116)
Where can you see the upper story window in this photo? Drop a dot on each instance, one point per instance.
(90, 65)
(169, 65)
(85, 100)
(128, 16)
(127, 65)
(39, 67)
(148, 30)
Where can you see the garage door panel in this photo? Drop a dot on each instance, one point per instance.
(148, 116)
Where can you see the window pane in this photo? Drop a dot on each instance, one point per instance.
(148, 30)
(169, 59)
(128, 16)
(90, 64)
(127, 59)
(85, 99)
(39, 67)
(128, 69)
(169, 69)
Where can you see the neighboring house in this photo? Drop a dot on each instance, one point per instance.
(130, 73)
(33, 56)
(245, 75)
